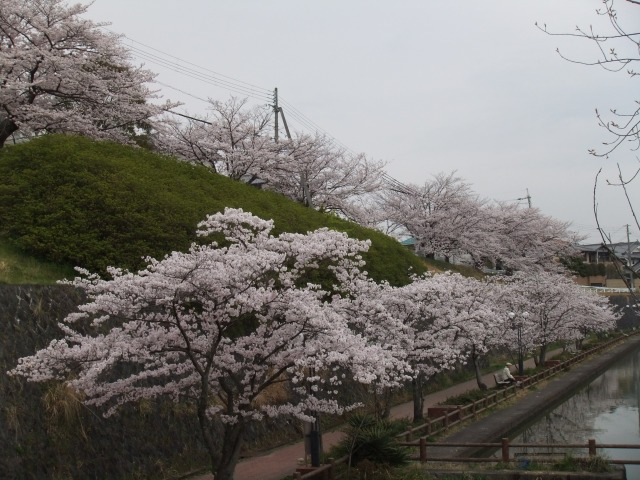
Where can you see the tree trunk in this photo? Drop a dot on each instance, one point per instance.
(224, 455)
(476, 366)
(230, 452)
(7, 127)
(386, 412)
(382, 404)
(386, 404)
(418, 399)
(543, 354)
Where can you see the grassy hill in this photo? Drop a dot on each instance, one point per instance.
(68, 201)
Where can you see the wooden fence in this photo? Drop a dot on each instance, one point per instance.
(549, 451)
(453, 417)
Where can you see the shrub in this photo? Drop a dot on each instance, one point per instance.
(594, 464)
(466, 398)
(71, 200)
(373, 440)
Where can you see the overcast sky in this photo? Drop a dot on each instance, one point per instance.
(427, 86)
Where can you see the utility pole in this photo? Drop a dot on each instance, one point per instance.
(312, 432)
(630, 263)
(277, 110)
(527, 198)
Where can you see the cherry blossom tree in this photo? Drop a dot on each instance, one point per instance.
(447, 318)
(369, 305)
(447, 218)
(476, 309)
(526, 239)
(433, 323)
(314, 171)
(233, 140)
(557, 310)
(236, 329)
(444, 215)
(60, 72)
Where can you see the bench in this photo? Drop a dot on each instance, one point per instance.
(501, 379)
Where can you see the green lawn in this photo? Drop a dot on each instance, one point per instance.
(16, 267)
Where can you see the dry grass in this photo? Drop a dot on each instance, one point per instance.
(12, 415)
(275, 393)
(63, 405)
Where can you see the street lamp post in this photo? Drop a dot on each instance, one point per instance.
(518, 326)
(313, 436)
(520, 352)
(315, 442)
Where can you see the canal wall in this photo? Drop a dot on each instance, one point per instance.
(46, 433)
(506, 421)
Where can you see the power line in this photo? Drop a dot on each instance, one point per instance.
(170, 62)
(181, 91)
(398, 186)
(189, 72)
(203, 74)
(255, 89)
(303, 119)
(227, 82)
(188, 116)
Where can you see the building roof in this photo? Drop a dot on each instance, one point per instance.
(620, 249)
(408, 242)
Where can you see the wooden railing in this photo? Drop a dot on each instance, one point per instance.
(554, 453)
(506, 447)
(435, 426)
(324, 472)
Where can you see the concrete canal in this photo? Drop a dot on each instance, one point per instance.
(607, 410)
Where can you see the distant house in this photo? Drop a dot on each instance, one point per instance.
(612, 257)
(410, 243)
(608, 253)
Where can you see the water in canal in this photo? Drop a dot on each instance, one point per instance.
(606, 410)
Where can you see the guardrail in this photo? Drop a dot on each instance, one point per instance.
(456, 416)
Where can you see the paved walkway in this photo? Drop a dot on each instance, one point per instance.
(280, 462)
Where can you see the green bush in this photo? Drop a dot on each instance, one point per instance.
(582, 269)
(466, 398)
(371, 439)
(594, 464)
(71, 200)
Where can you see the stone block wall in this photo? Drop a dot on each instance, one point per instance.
(47, 433)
